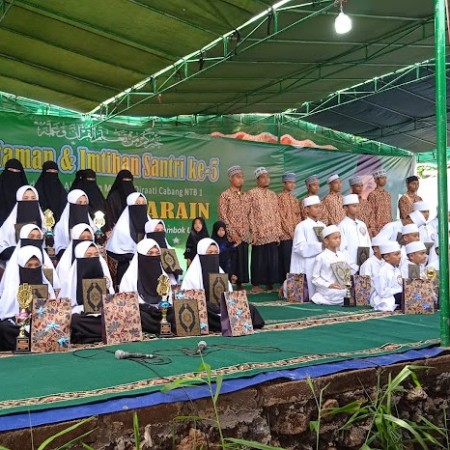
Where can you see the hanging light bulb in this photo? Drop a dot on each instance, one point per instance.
(343, 23)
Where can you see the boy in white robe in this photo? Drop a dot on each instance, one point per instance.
(410, 233)
(354, 232)
(328, 289)
(416, 256)
(373, 265)
(392, 230)
(388, 284)
(306, 244)
(426, 230)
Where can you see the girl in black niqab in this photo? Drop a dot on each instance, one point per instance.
(117, 197)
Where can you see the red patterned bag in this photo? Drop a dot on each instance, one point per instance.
(235, 317)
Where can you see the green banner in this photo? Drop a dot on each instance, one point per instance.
(181, 173)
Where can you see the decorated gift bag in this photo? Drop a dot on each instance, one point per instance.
(362, 287)
(235, 317)
(418, 296)
(50, 325)
(199, 296)
(121, 318)
(297, 288)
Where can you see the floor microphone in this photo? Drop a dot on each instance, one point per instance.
(201, 346)
(120, 354)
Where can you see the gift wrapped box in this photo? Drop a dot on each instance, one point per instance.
(235, 317)
(418, 296)
(199, 296)
(362, 287)
(50, 325)
(297, 288)
(121, 318)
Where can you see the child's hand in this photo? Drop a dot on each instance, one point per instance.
(335, 286)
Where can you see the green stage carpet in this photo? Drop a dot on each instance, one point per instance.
(315, 335)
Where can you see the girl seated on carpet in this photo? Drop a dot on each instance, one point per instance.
(27, 269)
(86, 328)
(328, 289)
(206, 262)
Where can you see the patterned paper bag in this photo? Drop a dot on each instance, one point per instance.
(121, 318)
(187, 320)
(235, 317)
(297, 288)
(418, 296)
(199, 296)
(362, 286)
(50, 325)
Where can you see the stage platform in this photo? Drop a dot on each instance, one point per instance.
(299, 340)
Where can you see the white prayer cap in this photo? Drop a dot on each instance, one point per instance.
(415, 247)
(421, 206)
(355, 180)
(330, 230)
(234, 170)
(74, 195)
(23, 189)
(131, 198)
(351, 199)
(379, 173)
(378, 240)
(389, 247)
(311, 200)
(27, 229)
(417, 218)
(333, 178)
(145, 245)
(260, 171)
(152, 224)
(82, 247)
(312, 179)
(203, 245)
(24, 254)
(410, 228)
(79, 228)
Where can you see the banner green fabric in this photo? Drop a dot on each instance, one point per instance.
(178, 166)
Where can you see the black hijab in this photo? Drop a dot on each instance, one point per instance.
(87, 268)
(210, 264)
(78, 214)
(28, 211)
(52, 194)
(122, 188)
(149, 270)
(9, 183)
(138, 219)
(159, 237)
(31, 276)
(76, 180)
(220, 240)
(88, 183)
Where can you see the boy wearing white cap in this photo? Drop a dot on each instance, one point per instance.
(392, 230)
(365, 211)
(328, 289)
(373, 265)
(265, 227)
(380, 202)
(313, 188)
(354, 233)
(388, 283)
(333, 212)
(307, 245)
(426, 230)
(290, 216)
(416, 256)
(407, 200)
(234, 210)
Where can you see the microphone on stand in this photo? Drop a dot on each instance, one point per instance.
(120, 354)
(201, 347)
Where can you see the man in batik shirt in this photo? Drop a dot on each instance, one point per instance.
(380, 203)
(333, 211)
(313, 187)
(290, 217)
(407, 200)
(265, 227)
(233, 211)
(365, 211)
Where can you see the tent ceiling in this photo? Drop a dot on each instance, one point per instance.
(79, 54)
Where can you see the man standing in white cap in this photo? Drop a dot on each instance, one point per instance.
(365, 211)
(265, 227)
(290, 217)
(313, 188)
(233, 211)
(333, 211)
(380, 203)
(407, 200)
(355, 239)
(388, 284)
(307, 241)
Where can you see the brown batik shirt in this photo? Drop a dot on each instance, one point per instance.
(406, 204)
(289, 214)
(380, 203)
(365, 211)
(265, 223)
(233, 211)
(333, 211)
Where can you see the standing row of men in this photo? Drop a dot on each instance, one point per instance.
(267, 221)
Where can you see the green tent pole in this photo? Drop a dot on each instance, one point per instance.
(441, 146)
